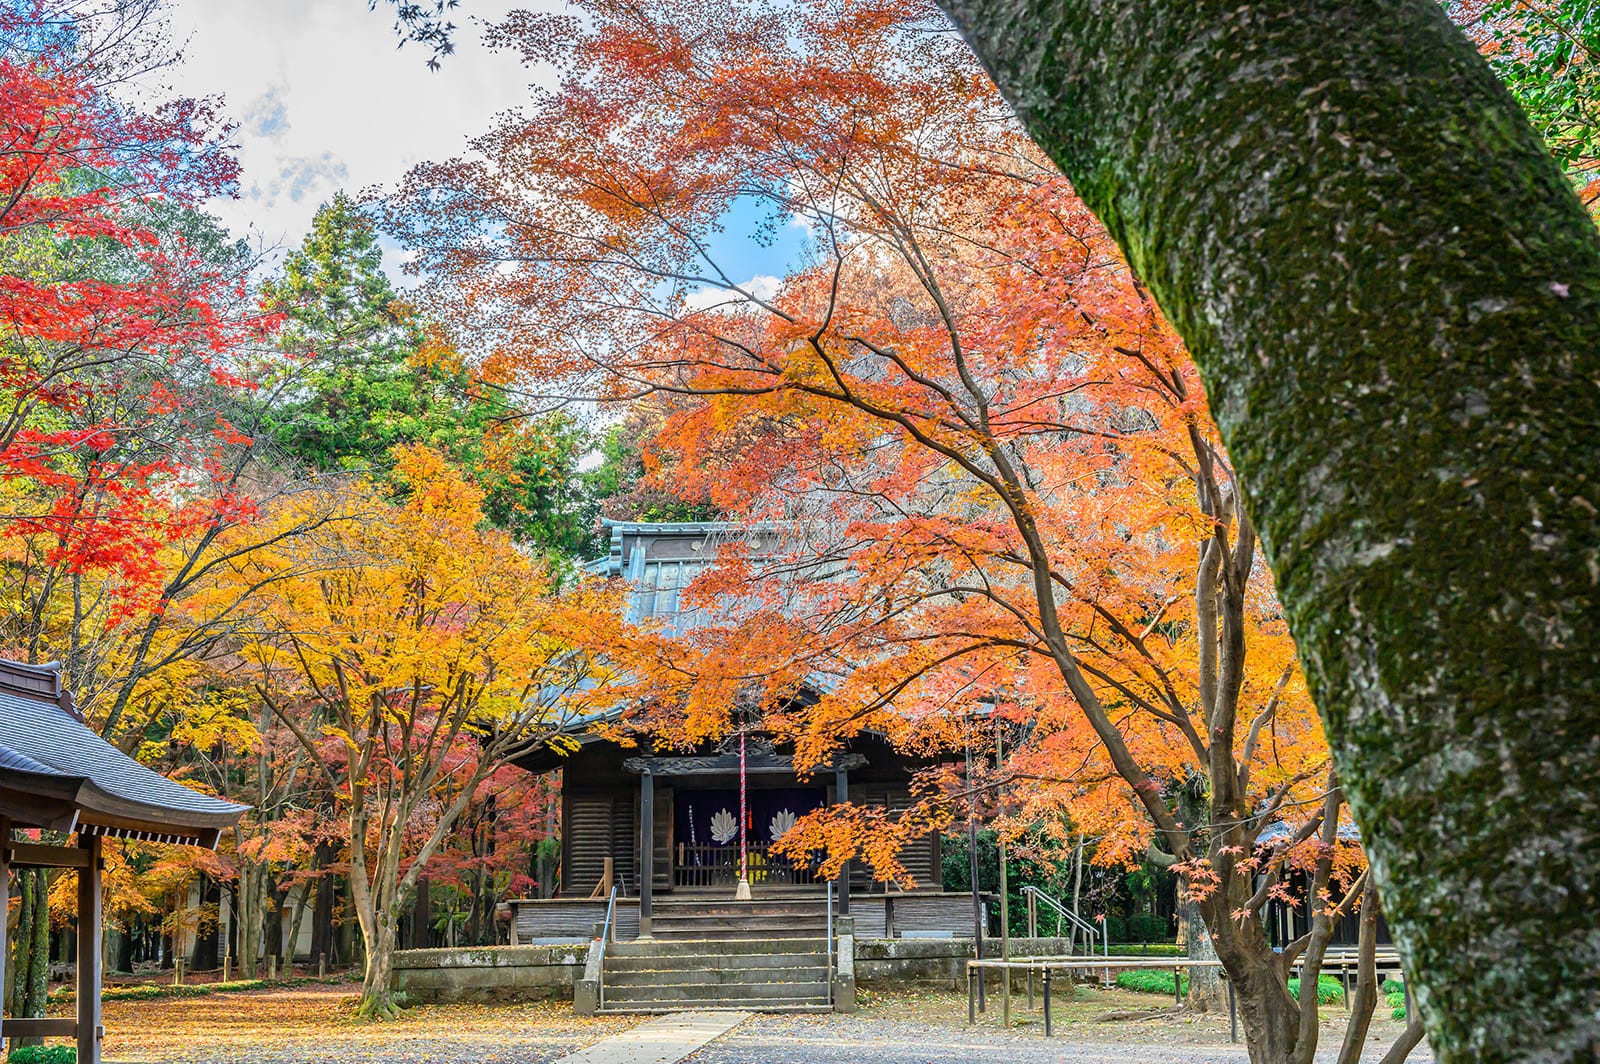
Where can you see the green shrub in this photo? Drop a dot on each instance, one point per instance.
(57, 1054)
(1146, 927)
(1329, 990)
(1150, 981)
(1394, 993)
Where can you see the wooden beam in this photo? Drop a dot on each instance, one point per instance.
(90, 924)
(53, 1027)
(38, 810)
(33, 855)
(723, 764)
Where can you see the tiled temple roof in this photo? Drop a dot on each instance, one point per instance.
(56, 772)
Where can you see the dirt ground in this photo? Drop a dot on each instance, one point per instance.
(300, 1025)
(319, 1024)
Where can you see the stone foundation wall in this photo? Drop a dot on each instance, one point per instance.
(526, 973)
(490, 973)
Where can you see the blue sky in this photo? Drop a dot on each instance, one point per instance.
(749, 248)
(325, 101)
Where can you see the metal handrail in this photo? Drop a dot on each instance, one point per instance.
(830, 936)
(1076, 919)
(1382, 959)
(606, 932)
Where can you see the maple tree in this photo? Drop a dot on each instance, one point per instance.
(1548, 54)
(420, 654)
(996, 461)
(124, 322)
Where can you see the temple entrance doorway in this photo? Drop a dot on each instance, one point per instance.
(706, 827)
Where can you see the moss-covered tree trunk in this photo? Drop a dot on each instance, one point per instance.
(1394, 297)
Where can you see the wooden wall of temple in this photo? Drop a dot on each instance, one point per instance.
(601, 817)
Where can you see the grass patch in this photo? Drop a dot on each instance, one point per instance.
(1151, 981)
(1149, 949)
(1329, 990)
(156, 991)
(43, 1055)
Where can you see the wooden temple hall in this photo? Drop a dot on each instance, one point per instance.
(58, 775)
(664, 829)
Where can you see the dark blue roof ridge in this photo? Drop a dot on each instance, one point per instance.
(41, 681)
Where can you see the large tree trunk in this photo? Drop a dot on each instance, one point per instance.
(1270, 1017)
(1394, 297)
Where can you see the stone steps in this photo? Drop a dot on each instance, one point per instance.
(774, 918)
(808, 973)
(704, 961)
(759, 975)
(716, 947)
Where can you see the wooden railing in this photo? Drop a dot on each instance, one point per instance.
(718, 866)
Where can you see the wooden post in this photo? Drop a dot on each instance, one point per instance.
(647, 848)
(227, 967)
(841, 794)
(421, 915)
(5, 892)
(90, 921)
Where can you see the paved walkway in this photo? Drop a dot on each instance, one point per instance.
(665, 1040)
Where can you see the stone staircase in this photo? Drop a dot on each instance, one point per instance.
(679, 921)
(787, 973)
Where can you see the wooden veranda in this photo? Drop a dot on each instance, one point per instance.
(58, 775)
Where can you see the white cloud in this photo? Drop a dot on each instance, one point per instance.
(762, 286)
(325, 100)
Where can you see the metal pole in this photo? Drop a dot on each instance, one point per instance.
(972, 861)
(841, 794)
(830, 932)
(972, 995)
(1005, 899)
(1047, 1001)
(647, 851)
(1033, 933)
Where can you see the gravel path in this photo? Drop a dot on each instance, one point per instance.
(875, 1039)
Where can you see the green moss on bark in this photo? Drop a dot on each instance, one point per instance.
(1394, 297)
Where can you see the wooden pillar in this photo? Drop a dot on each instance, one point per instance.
(90, 921)
(421, 916)
(647, 848)
(5, 892)
(841, 794)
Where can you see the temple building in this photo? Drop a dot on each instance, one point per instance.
(688, 805)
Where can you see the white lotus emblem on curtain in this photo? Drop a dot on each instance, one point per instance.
(723, 827)
(780, 823)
